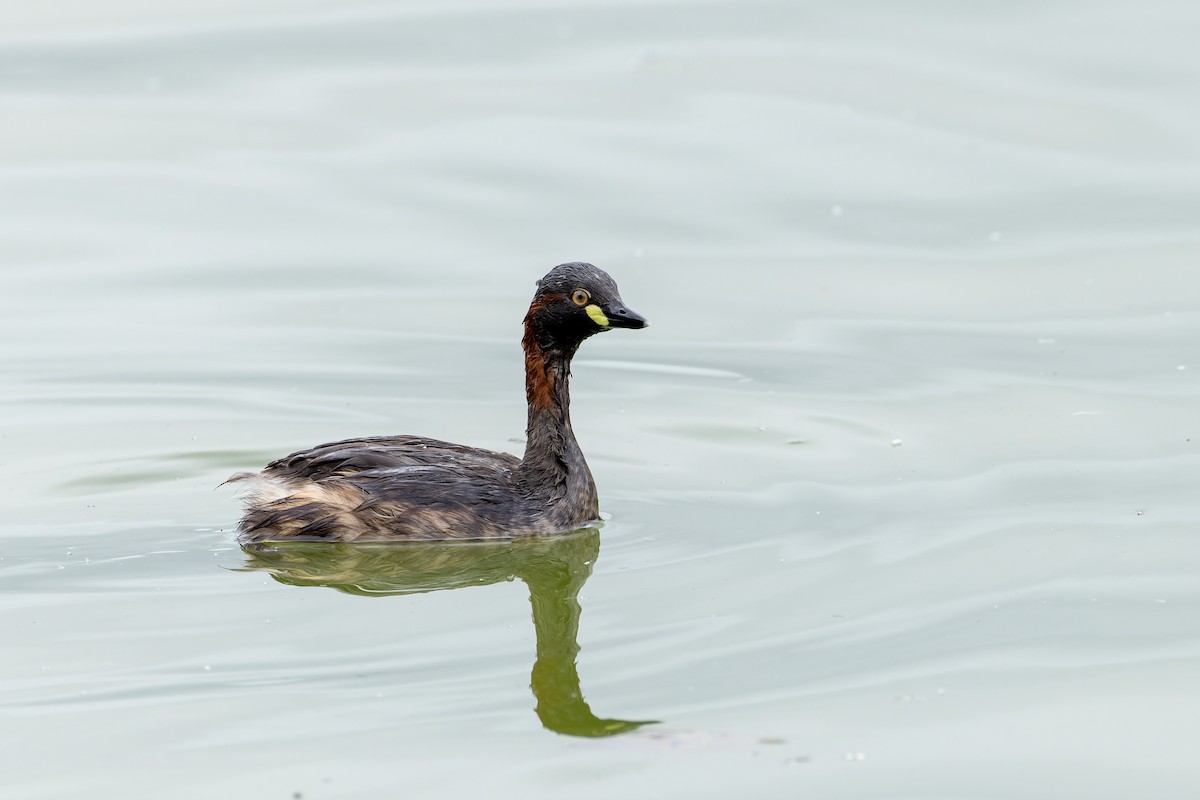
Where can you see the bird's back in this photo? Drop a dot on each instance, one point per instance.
(389, 487)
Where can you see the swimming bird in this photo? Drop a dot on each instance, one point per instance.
(412, 488)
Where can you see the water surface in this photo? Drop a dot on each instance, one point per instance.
(900, 485)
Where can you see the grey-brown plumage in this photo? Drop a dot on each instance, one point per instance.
(409, 487)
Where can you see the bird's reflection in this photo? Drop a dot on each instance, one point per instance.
(554, 569)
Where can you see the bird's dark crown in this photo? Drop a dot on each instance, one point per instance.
(566, 278)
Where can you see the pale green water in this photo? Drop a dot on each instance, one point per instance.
(901, 483)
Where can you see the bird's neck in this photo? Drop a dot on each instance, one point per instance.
(553, 463)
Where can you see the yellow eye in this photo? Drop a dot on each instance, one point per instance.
(580, 298)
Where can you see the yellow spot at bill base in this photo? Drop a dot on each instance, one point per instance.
(597, 315)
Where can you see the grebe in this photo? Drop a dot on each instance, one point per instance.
(407, 487)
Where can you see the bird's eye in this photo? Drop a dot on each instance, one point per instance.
(580, 298)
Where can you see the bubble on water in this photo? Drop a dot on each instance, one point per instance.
(897, 442)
